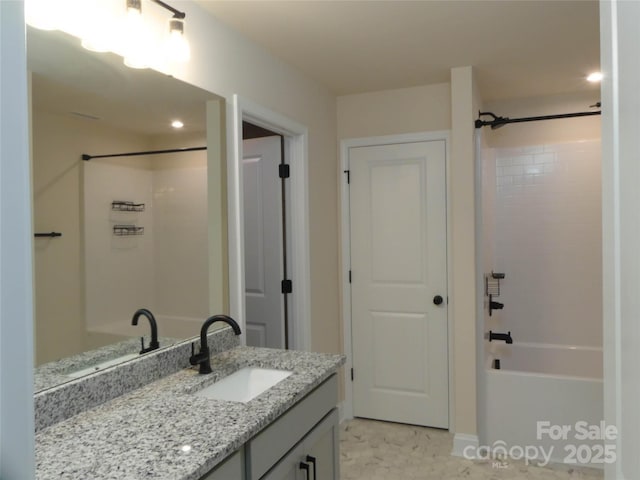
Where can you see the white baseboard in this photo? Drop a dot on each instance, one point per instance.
(344, 413)
(462, 441)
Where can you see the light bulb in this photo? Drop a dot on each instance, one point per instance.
(43, 14)
(177, 124)
(178, 49)
(99, 18)
(137, 38)
(594, 77)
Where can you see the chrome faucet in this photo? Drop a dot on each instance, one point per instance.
(203, 357)
(153, 344)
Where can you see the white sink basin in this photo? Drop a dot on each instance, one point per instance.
(101, 366)
(244, 385)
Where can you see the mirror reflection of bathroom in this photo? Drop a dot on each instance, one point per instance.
(134, 229)
(266, 201)
(542, 228)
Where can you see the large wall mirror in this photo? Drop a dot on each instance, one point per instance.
(137, 231)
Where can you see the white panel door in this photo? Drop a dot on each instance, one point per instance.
(398, 262)
(263, 243)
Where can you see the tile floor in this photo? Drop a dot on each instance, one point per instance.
(372, 450)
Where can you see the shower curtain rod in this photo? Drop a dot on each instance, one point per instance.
(86, 157)
(498, 122)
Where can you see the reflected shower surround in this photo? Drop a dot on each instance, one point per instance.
(164, 265)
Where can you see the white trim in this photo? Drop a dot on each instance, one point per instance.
(16, 253)
(345, 220)
(462, 441)
(296, 141)
(481, 395)
(341, 413)
(345, 145)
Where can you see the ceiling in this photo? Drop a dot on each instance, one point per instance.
(520, 48)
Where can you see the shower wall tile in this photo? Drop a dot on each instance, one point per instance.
(548, 241)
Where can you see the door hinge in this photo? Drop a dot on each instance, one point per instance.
(352, 374)
(349, 276)
(286, 286)
(348, 172)
(284, 171)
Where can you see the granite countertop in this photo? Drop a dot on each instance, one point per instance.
(141, 435)
(54, 373)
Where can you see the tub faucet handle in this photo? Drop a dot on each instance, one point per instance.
(505, 337)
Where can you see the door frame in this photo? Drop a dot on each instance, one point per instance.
(345, 227)
(296, 149)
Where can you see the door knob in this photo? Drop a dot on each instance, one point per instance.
(437, 300)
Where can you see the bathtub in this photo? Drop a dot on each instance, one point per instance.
(559, 385)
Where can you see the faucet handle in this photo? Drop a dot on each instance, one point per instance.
(142, 349)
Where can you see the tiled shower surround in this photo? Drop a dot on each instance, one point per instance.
(547, 239)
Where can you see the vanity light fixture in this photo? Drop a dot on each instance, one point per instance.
(139, 48)
(178, 49)
(142, 40)
(137, 41)
(42, 14)
(177, 124)
(96, 19)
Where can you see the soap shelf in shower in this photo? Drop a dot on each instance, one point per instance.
(492, 283)
(127, 230)
(492, 289)
(123, 206)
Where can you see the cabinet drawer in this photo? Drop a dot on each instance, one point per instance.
(270, 445)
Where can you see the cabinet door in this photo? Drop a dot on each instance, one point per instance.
(288, 468)
(230, 469)
(321, 447)
(318, 452)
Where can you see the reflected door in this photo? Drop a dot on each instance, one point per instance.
(398, 255)
(263, 244)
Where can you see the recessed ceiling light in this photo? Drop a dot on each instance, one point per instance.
(177, 124)
(594, 77)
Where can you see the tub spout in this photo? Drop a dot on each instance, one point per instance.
(505, 337)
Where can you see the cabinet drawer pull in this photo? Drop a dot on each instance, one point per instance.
(305, 467)
(312, 460)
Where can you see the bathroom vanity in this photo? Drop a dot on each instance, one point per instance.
(304, 440)
(168, 430)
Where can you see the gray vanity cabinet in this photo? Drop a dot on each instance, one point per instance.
(315, 457)
(230, 469)
(323, 445)
(306, 434)
(309, 428)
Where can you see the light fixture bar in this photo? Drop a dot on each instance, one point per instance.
(176, 13)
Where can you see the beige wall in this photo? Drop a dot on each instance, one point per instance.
(462, 297)
(225, 62)
(390, 112)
